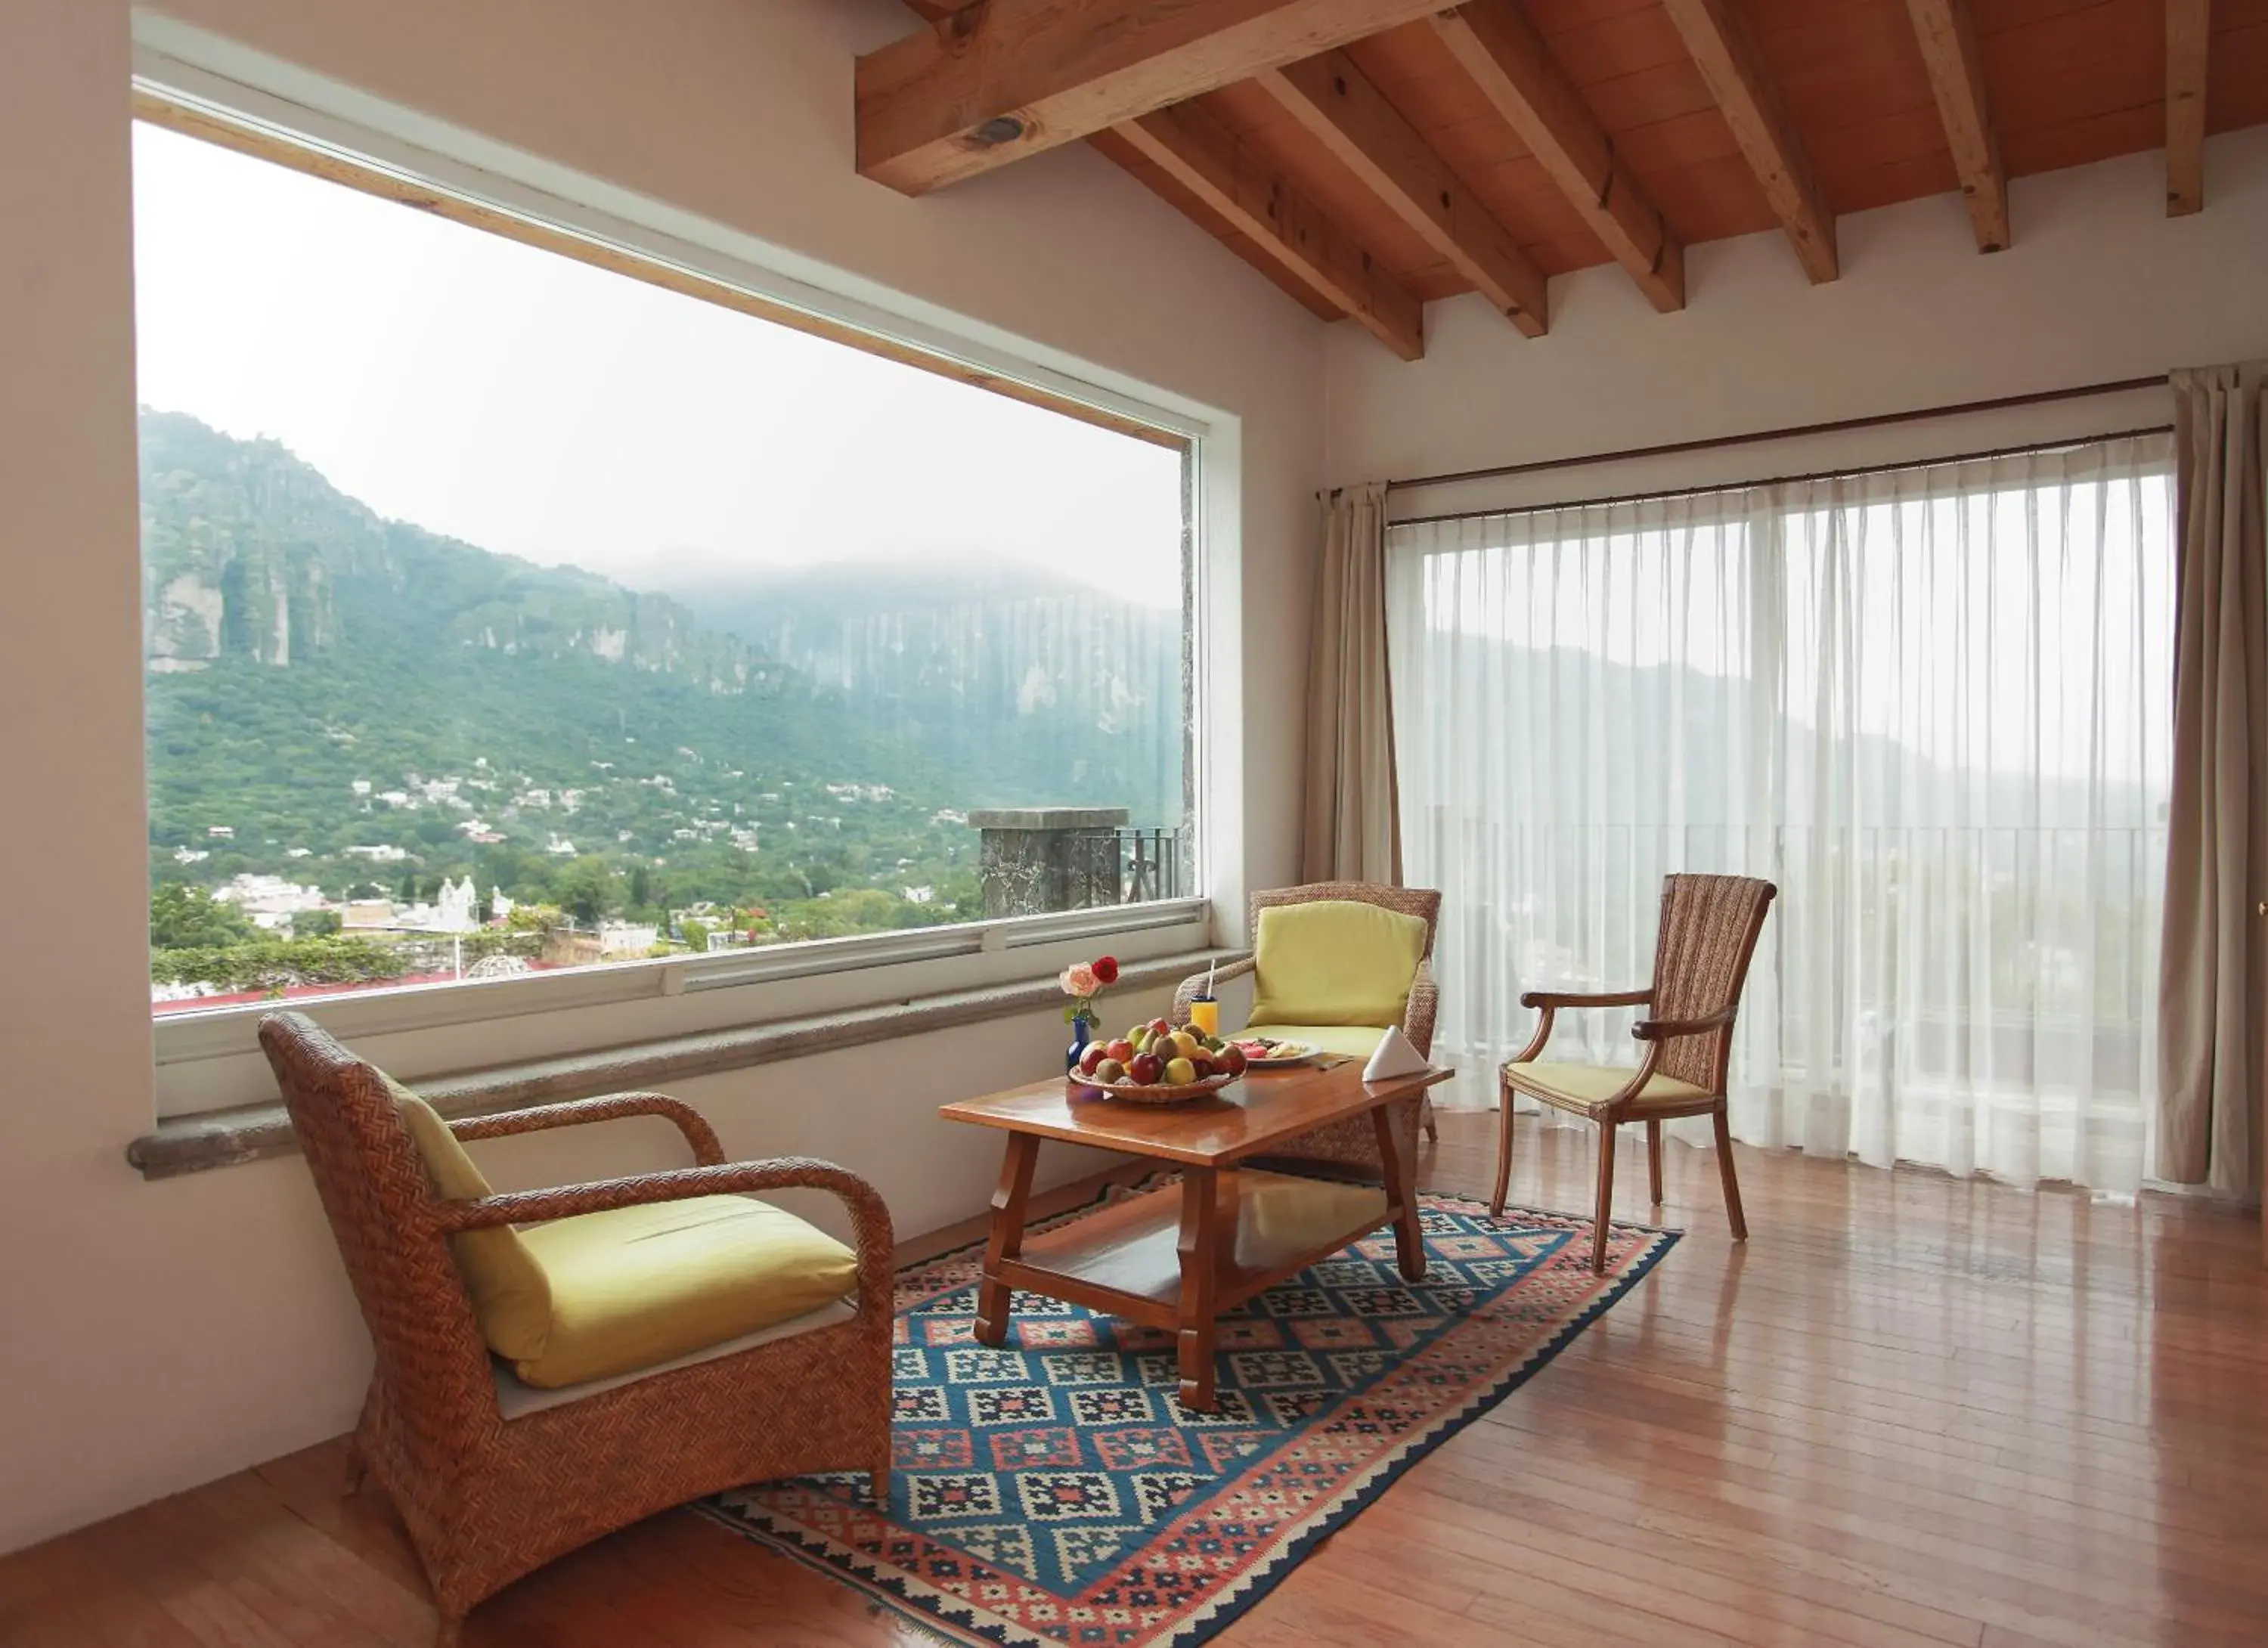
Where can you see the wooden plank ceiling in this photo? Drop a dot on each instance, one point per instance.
(1371, 156)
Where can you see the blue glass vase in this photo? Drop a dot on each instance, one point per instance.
(1080, 1035)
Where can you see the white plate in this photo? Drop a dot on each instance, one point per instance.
(1300, 1056)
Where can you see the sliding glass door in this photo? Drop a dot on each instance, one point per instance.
(1931, 704)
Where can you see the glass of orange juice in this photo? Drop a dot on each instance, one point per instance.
(1205, 1015)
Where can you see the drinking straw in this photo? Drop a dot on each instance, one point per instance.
(1210, 966)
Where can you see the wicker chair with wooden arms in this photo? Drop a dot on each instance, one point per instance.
(1710, 925)
(488, 1496)
(1354, 1143)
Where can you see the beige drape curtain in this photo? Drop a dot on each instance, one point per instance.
(1350, 830)
(2212, 976)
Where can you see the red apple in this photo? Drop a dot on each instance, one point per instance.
(1145, 1068)
(1159, 1026)
(1095, 1055)
(1201, 1062)
(1121, 1050)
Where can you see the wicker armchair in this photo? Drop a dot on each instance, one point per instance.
(488, 1499)
(1353, 1143)
(1710, 925)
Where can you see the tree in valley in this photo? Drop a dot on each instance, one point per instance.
(589, 889)
(187, 918)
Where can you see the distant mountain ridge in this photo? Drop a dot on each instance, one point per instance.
(1057, 692)
(248, 552)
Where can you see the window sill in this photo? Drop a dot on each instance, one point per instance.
(228, 1138)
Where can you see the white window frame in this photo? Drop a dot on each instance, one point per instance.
(210, 1059)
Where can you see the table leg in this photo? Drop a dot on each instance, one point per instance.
(1007, 1241)
(1200, 1253)
(1402, 1197)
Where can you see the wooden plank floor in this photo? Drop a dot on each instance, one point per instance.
(1909, 1412)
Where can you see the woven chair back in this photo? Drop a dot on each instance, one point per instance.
(1709, 930)
(384, 1215)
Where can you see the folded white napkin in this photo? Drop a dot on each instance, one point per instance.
(1395, 1058)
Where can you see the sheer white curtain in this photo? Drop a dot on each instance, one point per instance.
(1932, 704)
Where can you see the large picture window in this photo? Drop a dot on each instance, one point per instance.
(505, 615)
(1934, 705)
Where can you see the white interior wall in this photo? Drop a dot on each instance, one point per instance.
(154, 1335)
(2099, 285)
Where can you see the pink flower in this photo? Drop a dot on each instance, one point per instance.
(1078, 980)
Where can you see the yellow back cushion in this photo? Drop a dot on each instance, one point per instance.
(510, 1294)
(1335, 961)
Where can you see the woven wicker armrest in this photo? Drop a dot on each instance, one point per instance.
(607, 1108)
(1670, 1029)
(1552, 1000)
(870, 1216)
(1425, 1007)
(1194, 985)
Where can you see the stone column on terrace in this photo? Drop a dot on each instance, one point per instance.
(1031, 860)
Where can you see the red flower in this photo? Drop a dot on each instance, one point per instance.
(1106, 969)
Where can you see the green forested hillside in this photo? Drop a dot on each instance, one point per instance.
(323, 681)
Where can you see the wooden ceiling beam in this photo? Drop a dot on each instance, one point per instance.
(1507, 60)
(2189, 36)
(1717, 36)
(1198, 152)
(1947, 35)
(1339, 106)
(990, 83)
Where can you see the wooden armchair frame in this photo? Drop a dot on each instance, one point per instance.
(1353, 1143)
(486, 1500)
(1710, 925)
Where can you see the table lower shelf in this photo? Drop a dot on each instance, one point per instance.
(1126, 1258)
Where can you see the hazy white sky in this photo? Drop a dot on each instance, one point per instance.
(530, 404)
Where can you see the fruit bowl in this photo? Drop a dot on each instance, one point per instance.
(1153, 1092)
(1156, 1063)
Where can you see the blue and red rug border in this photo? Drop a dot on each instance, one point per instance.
(1254, 1586)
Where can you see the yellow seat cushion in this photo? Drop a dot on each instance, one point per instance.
(512, 1296)
(601, 1294)
(639, 1286)
(1335, 961)
(1589, 1086)
(1359, 1040)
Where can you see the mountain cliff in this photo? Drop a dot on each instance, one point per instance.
(249, 553)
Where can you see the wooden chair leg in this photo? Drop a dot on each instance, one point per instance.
(1725, 1168)
(1654, 1161)
(1432, 1127)
(1503, 1147)
(1606, 1212)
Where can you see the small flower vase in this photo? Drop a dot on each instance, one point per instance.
(1080, 1037)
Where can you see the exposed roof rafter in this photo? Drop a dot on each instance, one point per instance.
(2189, 35)
(1717, 35)
(990, 83)
(1199, 153)
(1507, 60)
(1336, 101)
(1956, 74)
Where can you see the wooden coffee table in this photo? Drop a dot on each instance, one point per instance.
(1176, 1258)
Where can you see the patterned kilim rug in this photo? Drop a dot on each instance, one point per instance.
(1055, 1491)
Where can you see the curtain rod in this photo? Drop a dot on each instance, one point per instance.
(1793, 480)
(1876, 420)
